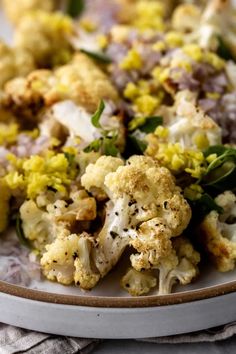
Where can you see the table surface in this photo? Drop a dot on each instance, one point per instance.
(135, 347)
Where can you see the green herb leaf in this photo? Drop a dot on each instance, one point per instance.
(97, 115)
(20, 233)
(215, 149)
(70, 158)
(223, 49)
(151, 124)
(94, 146)
(98, 56)
(109, 147)
(75, 7)
(202, 207)
(221, 173)
(135, 146)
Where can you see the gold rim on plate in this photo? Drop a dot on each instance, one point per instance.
(118, 302)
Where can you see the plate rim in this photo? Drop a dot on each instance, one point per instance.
(118, 302)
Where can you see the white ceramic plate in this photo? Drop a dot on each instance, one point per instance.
(107, 312)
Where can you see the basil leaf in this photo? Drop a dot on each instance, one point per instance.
(135, 146)
(202, 207)
(223, 49)
(75, 7)
(20, 233)
(99, 56)
(109, 147)
(215, 149)
(151, 124)
(97, 115)
(222, 178)
(221, 173)
(94, 146)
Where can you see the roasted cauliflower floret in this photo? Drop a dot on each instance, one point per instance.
(188, 125)
(58, 261)
(217, 233)
(68, 259)
(86, 274)
(81, 207)
(186, 17)
(4, 204)
(85, 83)
(14, 62)
(49, 45)
(16, 9)
(94, 177)
(81, 81)
(138, 283)
(36, 225)
(180, 267)
(218, 19)
(145, 210)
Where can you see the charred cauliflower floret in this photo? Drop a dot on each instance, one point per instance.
(138, 283)
(81, 207)
(14, 62)
(84, 83)
(49, 44)
(16, 9)
(145, 210)
(4, 204)
(86, 274)
(81, 81)
(179, 265)
(58, 261)
(217, 233)
(68, 260)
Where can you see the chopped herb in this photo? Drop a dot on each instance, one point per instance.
(98, 56)
(135, 146)
(70, 158)
(201, 207)
(151, 124)
(75, 7)
(223, 49)
(109, 147)
(145, 124)
(20, 233)
(94, 146)
(97, 115)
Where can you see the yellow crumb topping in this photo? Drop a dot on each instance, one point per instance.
(8, 133)
(179, 159)
(193, 192)
(193, 51)
(149, 15)
(132, 61)
(174, 39)
(146, 104)
(35, 174)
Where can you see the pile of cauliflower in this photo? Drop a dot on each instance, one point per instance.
(111, 152)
